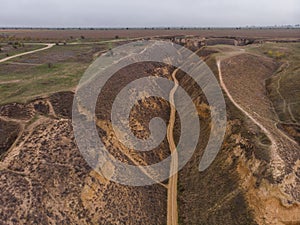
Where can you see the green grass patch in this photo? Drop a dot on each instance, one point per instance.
(40, 81)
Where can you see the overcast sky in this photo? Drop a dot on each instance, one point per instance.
(141, 13)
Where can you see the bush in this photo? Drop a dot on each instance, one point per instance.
(275, 54)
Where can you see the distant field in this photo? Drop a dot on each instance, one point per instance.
(73, 34)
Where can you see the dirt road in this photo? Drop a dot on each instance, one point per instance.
(275, 140)
(239, 107)
(172, 217)
(172, 210)
(27, 53)
(50, 45)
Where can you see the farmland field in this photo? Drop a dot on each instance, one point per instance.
(106, 34)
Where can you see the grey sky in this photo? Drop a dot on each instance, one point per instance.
(140, 13)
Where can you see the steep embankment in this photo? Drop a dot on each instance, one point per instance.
(283, 87)
(245, 88)
(45, 179)
(254, 177)
(215, 195)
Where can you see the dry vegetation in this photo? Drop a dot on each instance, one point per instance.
(45, 180)
(283, 87)
(49, 71)
(57, 185)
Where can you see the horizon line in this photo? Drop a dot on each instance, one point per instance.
(151, 27)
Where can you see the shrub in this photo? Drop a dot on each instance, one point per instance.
(275, 54)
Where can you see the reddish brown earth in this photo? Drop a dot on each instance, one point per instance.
(36, 34)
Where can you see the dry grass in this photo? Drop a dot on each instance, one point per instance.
(284, 86)
(42, 73)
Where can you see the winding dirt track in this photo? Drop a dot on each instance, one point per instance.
(172, 217)
(274, 146)
(27, 53)
(280, 142)
(270, 136)
(50, 45)
(172, 209)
